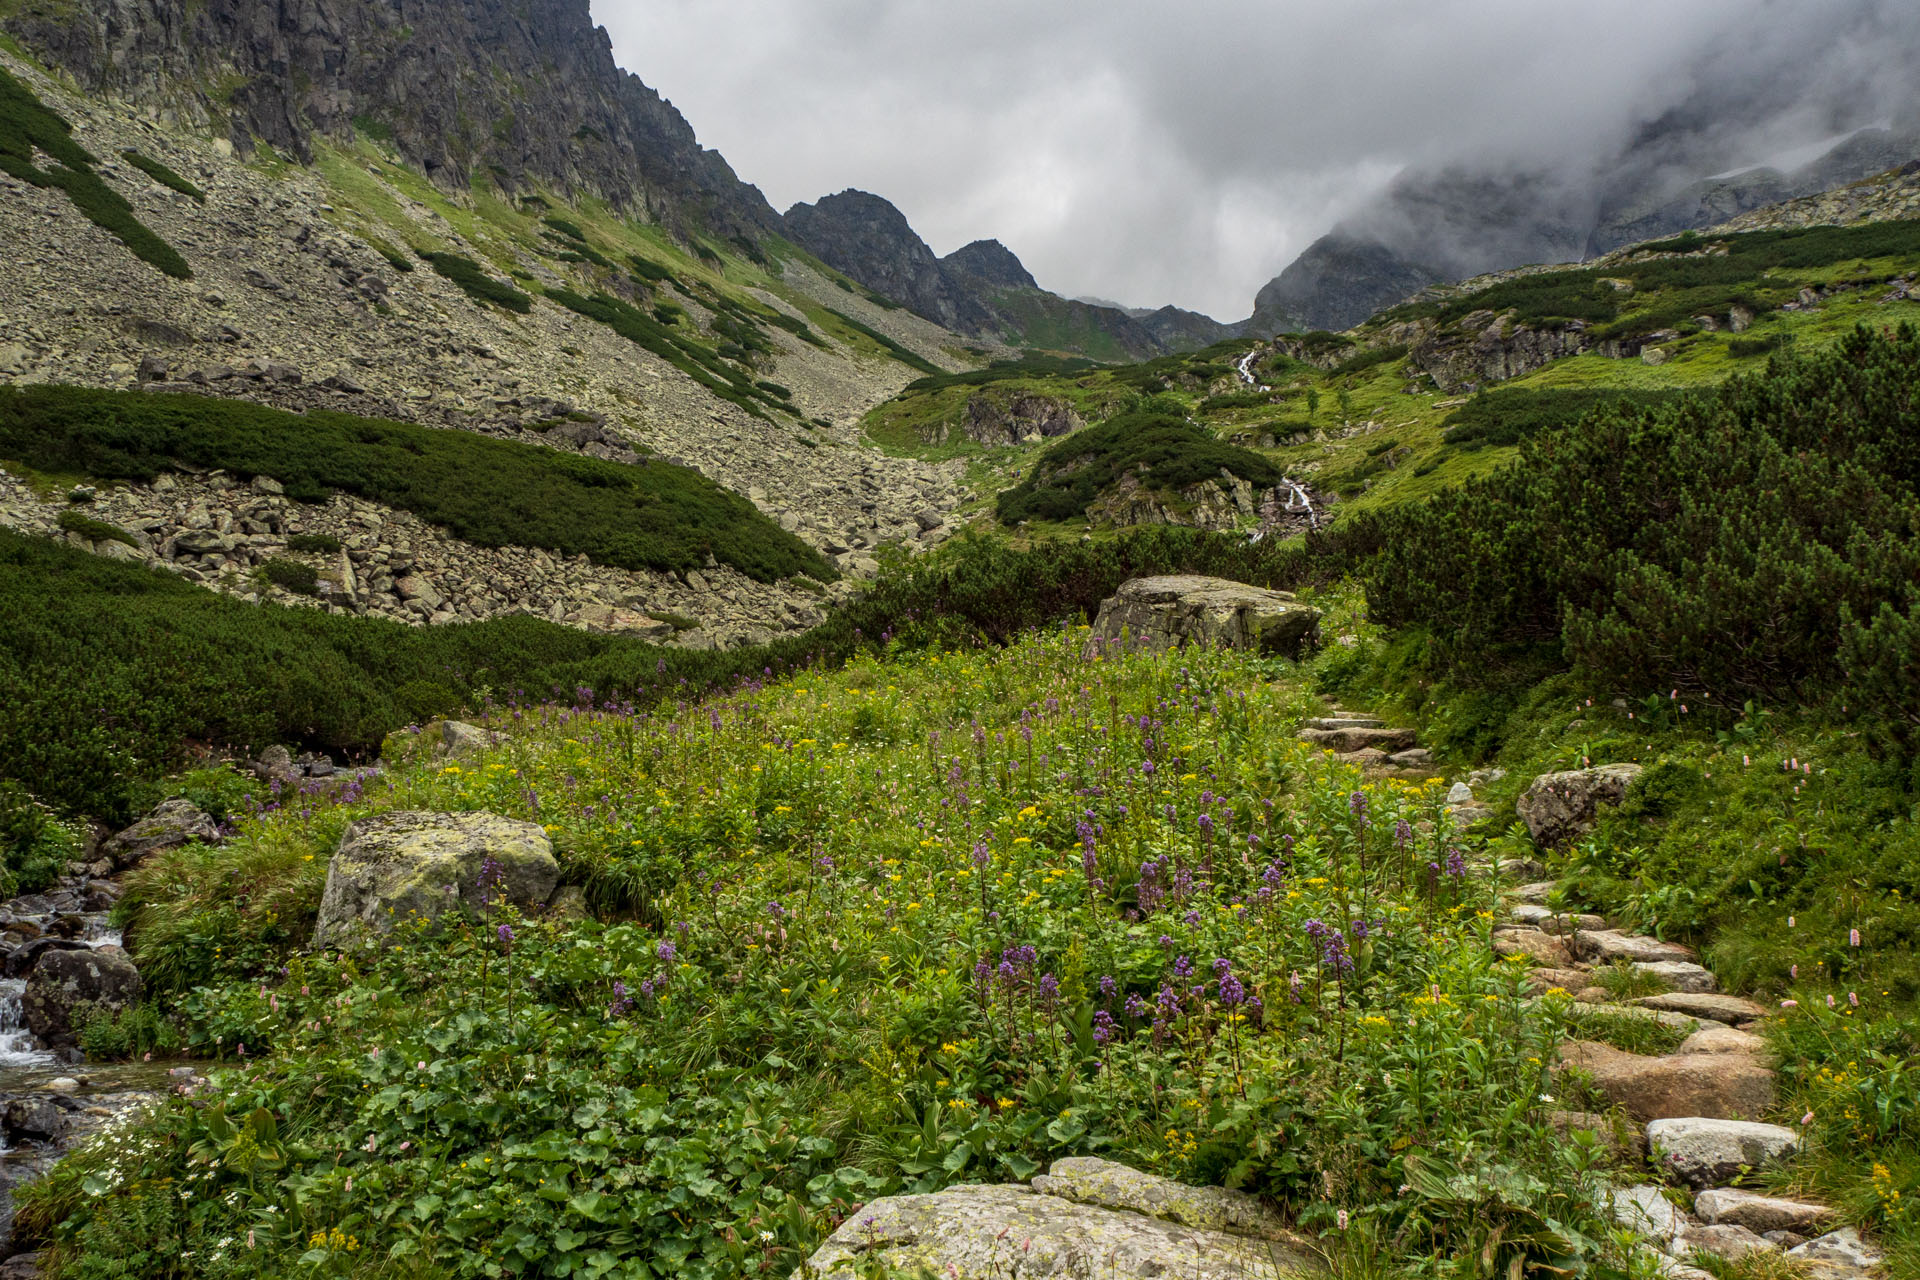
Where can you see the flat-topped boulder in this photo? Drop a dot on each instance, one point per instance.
(1727, 1009)
(1602, 946)
(1704, 1152)
(1559, 807)
(1177, 609)
(1760, 1213)
(1712, 1085)
(415, 864)
(1680, 975)
(1086, 1219)
(171, 824)
(1349, 739)
(1548, 920)
(1719, 1038)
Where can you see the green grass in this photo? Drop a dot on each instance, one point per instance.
(28, 128)
(1508, 416)
(491, 492)
(161, 174)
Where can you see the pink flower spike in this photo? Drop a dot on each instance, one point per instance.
(1789, 1004)
(1807, 1118)
(1853, 937)
(1829, 999)
(1853, 999)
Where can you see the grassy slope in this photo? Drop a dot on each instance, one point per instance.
(1337, 452)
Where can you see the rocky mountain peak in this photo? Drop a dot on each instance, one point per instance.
(866, 237)
(992, 262)
(525, 91)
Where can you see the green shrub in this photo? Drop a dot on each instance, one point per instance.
(1509, 416)
(321, 543)
(1680, 547)
(35, 846)
(163, 175)
(649, 270)
(1033, 366)
(912, 359)
(93, 530)
(397, 260)
(492, 492)
(697, 361)
(796, 326)
(571, 230)
(1743, 348)
(1370, 358)
(296, 576)
(1166, 453)
(28, 128)
(116, 1035)
(115, 668)
(477, 284)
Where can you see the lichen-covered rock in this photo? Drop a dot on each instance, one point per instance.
(1176, 609)
(64, 981)
(1718, 1008)
(171, 824)
(411, 863)
(1717, 1086)
(1705, 1152)
(1759, 1213)
(1559, 807)
(1086, 1219)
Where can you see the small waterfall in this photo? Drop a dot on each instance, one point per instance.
(18, 1048)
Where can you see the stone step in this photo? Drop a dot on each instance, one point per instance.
(1603, 945)
(1555, 922)
(1343, 722)
(1665, 1017)
(1700, 1004)
(1704, 1151)
(1717, 1037)
(1535, 894)
(1388, 740)
(1681, 975)
(1760, 1213)
(1728, 1086)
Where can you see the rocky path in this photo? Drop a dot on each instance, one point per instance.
(1699, 1110)
(1698, 1113)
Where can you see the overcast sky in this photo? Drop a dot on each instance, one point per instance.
(1157, 152)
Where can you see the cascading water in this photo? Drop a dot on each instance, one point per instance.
(18, 1049)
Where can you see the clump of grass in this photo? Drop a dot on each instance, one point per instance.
(322, 543)
(1625, 981)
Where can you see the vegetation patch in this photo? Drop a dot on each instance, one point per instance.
(1684, 544)
(296, 576)
(161, 174)
(93, 530)
(726, 380)
(1507, 417)
(490, 492)
(477, 284)
(912, 359)
(323, 543)
(1165, 453)
(27, 126)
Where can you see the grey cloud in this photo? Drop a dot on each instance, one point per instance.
(1185, 153)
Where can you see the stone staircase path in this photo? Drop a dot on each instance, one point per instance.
(1701, 1105)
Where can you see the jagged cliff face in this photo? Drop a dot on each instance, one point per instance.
(981, 290)
(864, 236)
(524, 91)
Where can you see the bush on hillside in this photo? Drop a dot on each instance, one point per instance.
(1510, 416)
(477, 284)
(1166, 453)
(1758, 542)
(491, 492)
(28, 129)
(161, 174)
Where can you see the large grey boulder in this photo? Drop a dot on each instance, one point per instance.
(1086, 1219)
(1559, 807)
(1760, 1213)
(1717, 1085)
(417, 864)
(65, 985)
(1704, 1152)
(171, 824)
(1166, 612)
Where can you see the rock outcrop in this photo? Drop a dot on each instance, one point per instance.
(1167, 612)
(171, 824)
(65, 984)
(412, 864)
(1559, 807)
(1086, 1219)
(1714, 1086)
(1704, 1152)
(527, 92)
